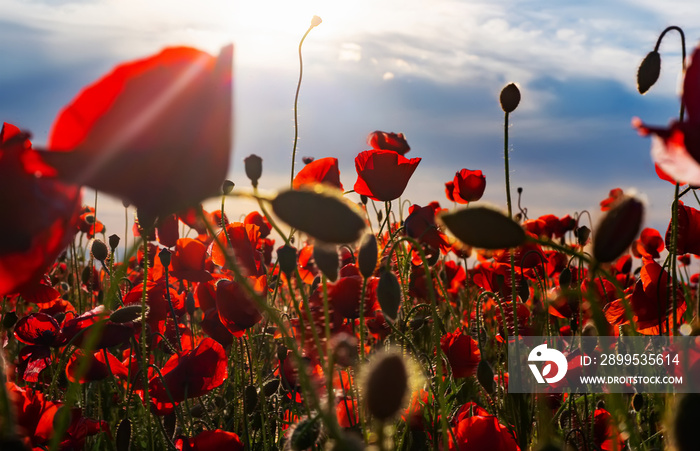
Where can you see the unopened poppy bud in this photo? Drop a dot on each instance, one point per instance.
(364, 199)
(126, 314)
(389, 294)
(380, 215)
(270, 387)
(648, 71)
(326, 258)
(367, 255)
(9, 319)
(386, 386)
(250, 396)
(253, 168)
(685, 423)
(98, 250)
(113, 241)
(484, 374)
(123, 438)
(618, 229)
(189, 303)
(565, 278)
(287, 259)
(510, 98)
(307, 160)
(637, 402)
(227, 186)
(164, 256)
(305, 434)
(582, 235)
(315, 21)
(281, 353)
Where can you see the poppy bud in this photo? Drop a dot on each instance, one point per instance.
(270, 387)
(164, 256)
(98, 250)
(344, 349)
(510, 98)
(305, 433)
(9, 319)
(565, 277)
(227, 187)
(326, 258)
(287, 259)
(307, 160)
(484, 227)
(113, 241)
(315, 21)
(386, 386)
(123, 434)
(484, 374)
(637, 402)
(250, 396)
(582, 235)
(389, 294)
(281, 353)
(367, 255)
(126, 314)
(648, 71)
(189, 303)
(685, 424)
(253, 168)
(617, 229)
(364, 199)
(321, 213)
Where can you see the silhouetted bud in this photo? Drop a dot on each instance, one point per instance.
(307, 160)
(126, 314)
(164, 256)
(637, 402)
(484, 374)
(287, 259)
(685, 422)
(648, 71)
(98, 250)
(510, 98)
(386, 386)
(364, 199)
(9, 319)
(270, 387)
(113, 241)
(565, 277)
(189, 303)
(582, 235)
(250, 395)
(281, 353)
(227, 187)
(367, 255)
(618, 229)
(389, 294)
(123, 435)
(253, 168)
(326, 258)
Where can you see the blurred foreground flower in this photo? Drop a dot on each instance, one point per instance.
(155, 132)
(40, 214)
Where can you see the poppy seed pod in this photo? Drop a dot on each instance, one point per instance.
(510, 98)
(253, 168)
(386, 386)
(617, 230)
(98, 250)
(367, 255)
(389, 294)
(326, 258)
(648, 71)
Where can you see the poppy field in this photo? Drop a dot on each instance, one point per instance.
(331, 317)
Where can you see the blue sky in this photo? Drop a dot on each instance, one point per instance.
(430, 69)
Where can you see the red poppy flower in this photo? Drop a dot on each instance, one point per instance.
(189, 261)
(475, 432)
(88, 224)
(688, 240)
(388, 141)
(155, 132)
(605, 434)
(237, 310)
(39, 213)
(420, 224)
(649, 244)
(614, 195)
(167, 231)
(40, 331)
(210, 441)
(243, 239)
(260, 221)
(189, 375)
(382, 174)
(676, 149)
(324, 170)
(467, 186)
(462, 352)
(100, 365)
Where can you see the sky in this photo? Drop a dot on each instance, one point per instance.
(430, 69)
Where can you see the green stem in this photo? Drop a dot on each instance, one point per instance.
(296, 103)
